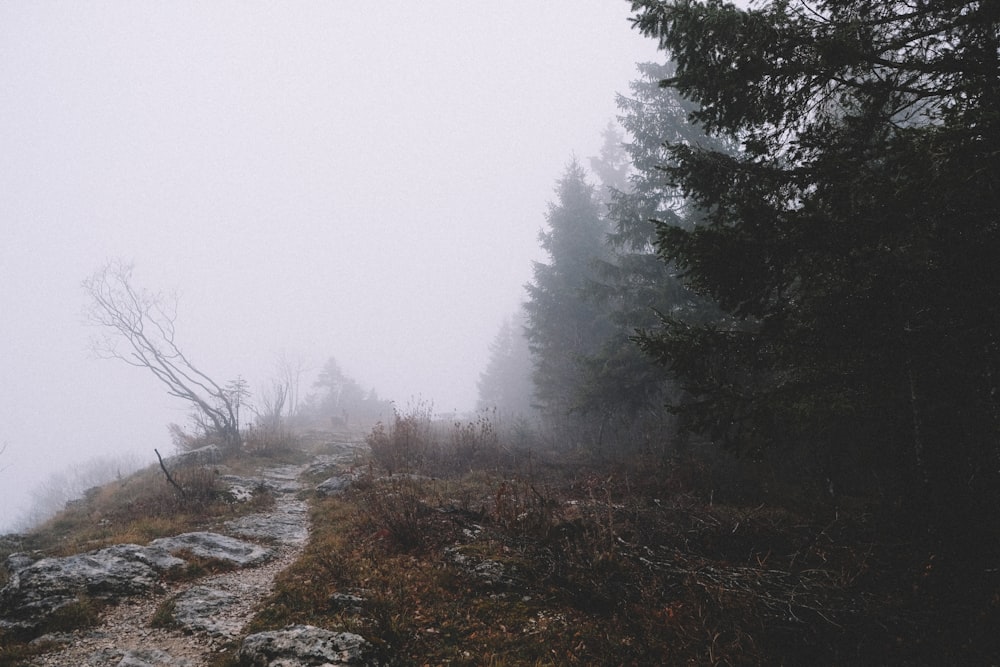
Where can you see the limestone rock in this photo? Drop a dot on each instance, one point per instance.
(151, 658)
(333, 485)
(287, 525)
(19, 561)
(305, 645)
(240, 489)
(196, 609)
(214, 545)
(36, 590)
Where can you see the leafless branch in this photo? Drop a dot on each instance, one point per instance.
(139, 329)
(170, 479)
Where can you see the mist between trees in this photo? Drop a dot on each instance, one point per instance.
(784, 253)
(786, 250)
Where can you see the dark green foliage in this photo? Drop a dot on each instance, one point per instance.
(633, 284)
(853, 240)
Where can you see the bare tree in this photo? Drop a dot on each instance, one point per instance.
(139, 329)
(290, 375)
(271, 406)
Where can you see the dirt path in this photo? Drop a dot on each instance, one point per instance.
(125, 638)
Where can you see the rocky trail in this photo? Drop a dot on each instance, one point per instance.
(205, 614)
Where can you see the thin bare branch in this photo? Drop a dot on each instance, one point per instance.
(139, 328)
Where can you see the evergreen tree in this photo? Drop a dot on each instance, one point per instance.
(342, 399)
(563, 324)
(634, 285)
(505, 384)
(853, 240)
(611, 166)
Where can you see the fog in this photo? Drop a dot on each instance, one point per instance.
(358, 180)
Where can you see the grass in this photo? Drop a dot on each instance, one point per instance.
(136, 509)
(140, 508)
(502, 558)
(452, 548)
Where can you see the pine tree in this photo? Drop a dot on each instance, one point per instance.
(853, 241)
(634, 284)
(564, 325)
(505, 384)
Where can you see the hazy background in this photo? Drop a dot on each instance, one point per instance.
(357, 180)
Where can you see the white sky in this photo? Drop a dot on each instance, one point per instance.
(357, 180)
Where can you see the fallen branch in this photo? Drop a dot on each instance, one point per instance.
(169, 478)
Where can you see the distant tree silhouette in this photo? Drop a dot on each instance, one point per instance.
(505, 384)
(564, 324)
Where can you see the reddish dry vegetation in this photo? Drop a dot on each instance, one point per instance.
(528, 562)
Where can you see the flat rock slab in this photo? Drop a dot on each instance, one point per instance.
(305, 645)
(241, 489)
(214, 545)
(283, 479)
(38, 589)
(197, 610)
(288, 525)
(151, 658)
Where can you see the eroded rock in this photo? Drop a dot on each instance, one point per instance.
(197, 609)
(305, 645)
(37, 589)
(286, 524)
(216, 546)
(241, 489)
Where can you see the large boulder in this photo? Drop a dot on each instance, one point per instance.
(305, 645)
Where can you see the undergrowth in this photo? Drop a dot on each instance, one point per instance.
(137, 509)
(454, 549)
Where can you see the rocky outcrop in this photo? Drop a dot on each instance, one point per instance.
(241, 489)
(38, 589)
(194, 620)
(287, 524)
(305, 645)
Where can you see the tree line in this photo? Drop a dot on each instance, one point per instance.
(791, 252)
